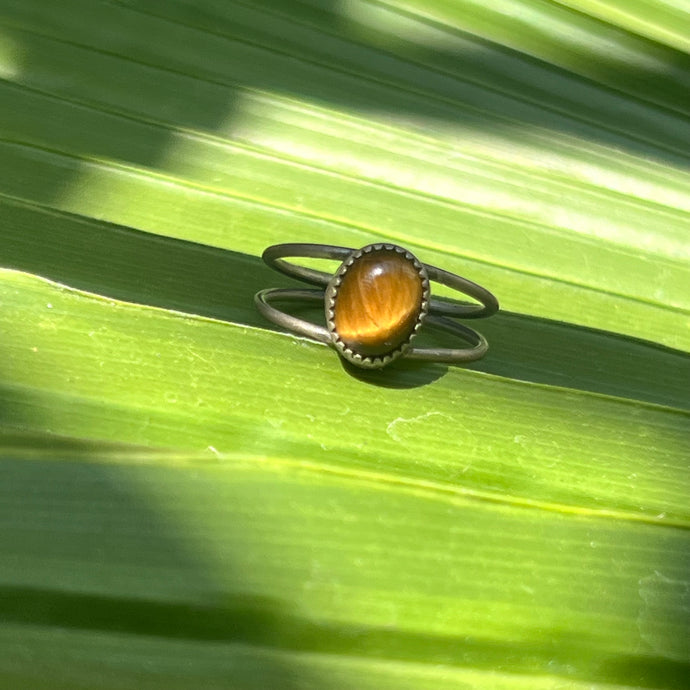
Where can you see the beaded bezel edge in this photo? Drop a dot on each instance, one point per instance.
(331, 294)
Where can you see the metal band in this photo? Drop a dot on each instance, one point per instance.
(274, 256)
(263, 299)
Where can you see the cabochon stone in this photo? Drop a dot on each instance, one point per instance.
(378, 302)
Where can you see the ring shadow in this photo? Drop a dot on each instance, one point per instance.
(134, 266)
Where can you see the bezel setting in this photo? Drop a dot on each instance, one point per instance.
(331, 297)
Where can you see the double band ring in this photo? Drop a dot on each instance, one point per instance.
(376, 303)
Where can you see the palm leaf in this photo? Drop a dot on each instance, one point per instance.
(191, 498)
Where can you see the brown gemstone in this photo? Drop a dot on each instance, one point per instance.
(378, 302)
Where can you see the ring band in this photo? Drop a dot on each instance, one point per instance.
(311, 330)
(375, 303)
(273, 256)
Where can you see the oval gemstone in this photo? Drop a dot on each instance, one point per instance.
(378, 302)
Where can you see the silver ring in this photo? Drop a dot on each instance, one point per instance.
(376, 303)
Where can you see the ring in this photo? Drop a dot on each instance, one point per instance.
(376, 302)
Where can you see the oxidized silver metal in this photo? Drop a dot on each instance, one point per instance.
(434, 312)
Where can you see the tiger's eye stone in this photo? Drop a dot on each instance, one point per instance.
(378, 302)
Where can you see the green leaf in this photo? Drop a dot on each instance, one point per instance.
(191, 498)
